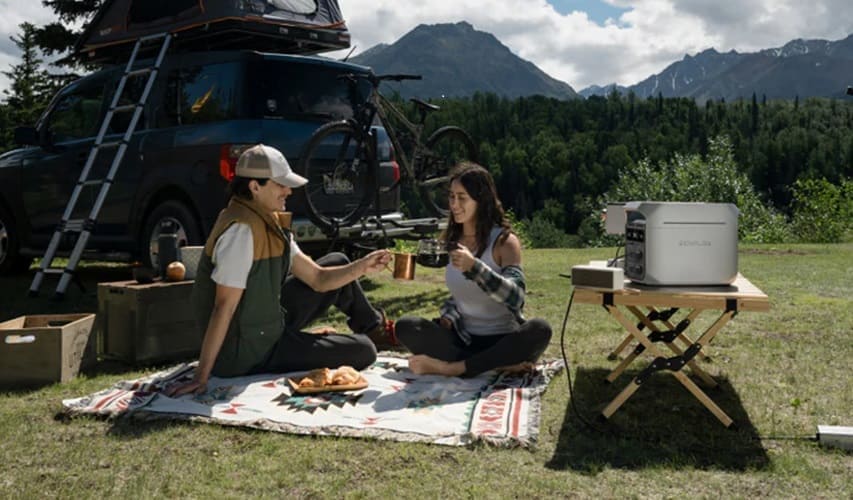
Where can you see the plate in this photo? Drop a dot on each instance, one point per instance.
(294, 384)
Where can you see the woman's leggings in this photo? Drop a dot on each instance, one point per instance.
(486, 352)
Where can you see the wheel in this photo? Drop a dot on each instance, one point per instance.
(11, 261)
(165, 213)
(444, 149)
(339, 166)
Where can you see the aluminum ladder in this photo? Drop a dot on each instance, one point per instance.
(85, 227)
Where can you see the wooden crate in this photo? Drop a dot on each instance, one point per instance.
(143, 324)
(43, 349)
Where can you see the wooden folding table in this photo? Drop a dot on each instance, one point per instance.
(654, 309)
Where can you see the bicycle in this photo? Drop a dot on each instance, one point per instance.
(340, 158)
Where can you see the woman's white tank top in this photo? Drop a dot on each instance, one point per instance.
(481, 314)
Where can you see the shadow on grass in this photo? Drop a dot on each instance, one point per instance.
(17, 302)
(410, 302)
(414, 301)
(662, 424)
(136, 428)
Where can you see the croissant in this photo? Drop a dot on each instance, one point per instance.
(345, 375)
(316, 378)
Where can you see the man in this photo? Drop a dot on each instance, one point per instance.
(238, 291)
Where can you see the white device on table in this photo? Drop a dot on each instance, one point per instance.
(598, 276)
(674, 243)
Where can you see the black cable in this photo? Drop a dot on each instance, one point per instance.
(616, 257)
(568, 372)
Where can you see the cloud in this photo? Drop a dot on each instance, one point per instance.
(647, 37)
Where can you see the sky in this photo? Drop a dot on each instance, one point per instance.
(581, 42)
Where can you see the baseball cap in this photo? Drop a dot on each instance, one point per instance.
(265, 162)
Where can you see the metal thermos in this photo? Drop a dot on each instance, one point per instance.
(167, 247)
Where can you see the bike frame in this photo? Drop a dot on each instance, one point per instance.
(385, 109)
(378, 104)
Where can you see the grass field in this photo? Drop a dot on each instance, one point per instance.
(781, 374)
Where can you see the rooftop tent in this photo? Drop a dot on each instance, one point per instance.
(284, 26)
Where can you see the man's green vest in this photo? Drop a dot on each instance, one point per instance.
(258, 321)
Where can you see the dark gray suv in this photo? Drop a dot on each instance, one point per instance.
(203, 110)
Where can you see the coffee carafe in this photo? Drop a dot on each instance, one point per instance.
(167, 246)
(432, 253)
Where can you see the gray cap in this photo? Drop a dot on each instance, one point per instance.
(265, 162)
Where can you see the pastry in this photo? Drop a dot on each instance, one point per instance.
(345, 375)
(316, 378)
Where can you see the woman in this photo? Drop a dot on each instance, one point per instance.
(481, 327)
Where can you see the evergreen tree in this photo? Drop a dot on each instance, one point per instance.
(57, 37)
(30, 88)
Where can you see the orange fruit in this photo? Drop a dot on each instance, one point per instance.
(175, 271)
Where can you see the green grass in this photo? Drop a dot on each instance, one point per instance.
(781, 374)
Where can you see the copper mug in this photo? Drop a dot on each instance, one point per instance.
(404, 266)
(284, 219)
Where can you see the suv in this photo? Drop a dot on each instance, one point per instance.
(203, 110)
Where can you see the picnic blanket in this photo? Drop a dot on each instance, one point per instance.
(497, 408)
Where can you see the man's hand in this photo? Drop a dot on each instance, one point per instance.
(376, 261)
(195, 386)
(445, 323)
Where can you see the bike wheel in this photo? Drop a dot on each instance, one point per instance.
(338, 163)
(444, 149)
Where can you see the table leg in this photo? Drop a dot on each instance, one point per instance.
(679, 375)
(645, 321)
(615, 353)
(612, 376)
(669, 337)
(653, 313)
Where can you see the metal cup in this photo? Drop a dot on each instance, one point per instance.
(284, 219)
(404, 266)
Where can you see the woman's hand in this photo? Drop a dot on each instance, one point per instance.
(461, 258)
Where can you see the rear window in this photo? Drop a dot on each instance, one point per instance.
(201, 94)
(281, 89)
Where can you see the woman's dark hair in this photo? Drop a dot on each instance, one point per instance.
(480, 185)
(239, 187)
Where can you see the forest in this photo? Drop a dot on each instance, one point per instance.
(558, 162)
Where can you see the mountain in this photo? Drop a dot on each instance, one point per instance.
(456, 60)
(800, 68)
(603, 91)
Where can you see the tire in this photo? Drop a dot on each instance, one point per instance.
(444, 149)
(11, 261)
(340, 167)
(168, 211)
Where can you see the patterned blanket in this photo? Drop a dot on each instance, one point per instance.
(500, 409)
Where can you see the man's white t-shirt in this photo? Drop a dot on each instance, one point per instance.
(236, 247)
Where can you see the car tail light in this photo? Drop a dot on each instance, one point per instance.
(395, 172)
(228, 155)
